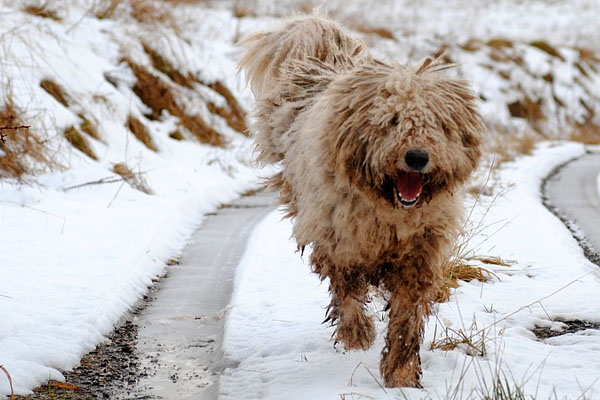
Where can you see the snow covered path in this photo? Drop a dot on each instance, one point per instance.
(180, 331)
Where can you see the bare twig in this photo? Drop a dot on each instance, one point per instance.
(12, 391)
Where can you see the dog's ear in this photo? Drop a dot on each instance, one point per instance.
(459, 113)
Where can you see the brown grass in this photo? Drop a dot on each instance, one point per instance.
(499, 43)
(235, 116)
(141, 133)
(177, 135)
(22, 151)
(90, 127)
(528, 109)
(135, 180)
(151, 12)
(55, 90)
(107, 8)
(381, 32)
(164, 66)
(547, 48)
(587, 132)
(241, 10)
(42, 11)
(157, 95)
(79, 141)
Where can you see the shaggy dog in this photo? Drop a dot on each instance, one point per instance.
(373, 158)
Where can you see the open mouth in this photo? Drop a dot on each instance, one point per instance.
(408, 187)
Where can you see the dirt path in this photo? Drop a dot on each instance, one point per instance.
(169, 345)
(571, 193)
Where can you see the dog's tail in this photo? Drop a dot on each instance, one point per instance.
(286, 68)
(305, 39)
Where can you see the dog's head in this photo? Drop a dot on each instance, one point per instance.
(403, 134)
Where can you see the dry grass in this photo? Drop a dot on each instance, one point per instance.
(141, 133)
(89, 126)
(235, 116)
(164, 66)
(587, 132)
(55, 90)
(381, 32)
(547, 48)
(158, 96)
(42, 11)
(107, 9)
(177, 135)
(79, 141)
(528, 109)
(241, 10)
(499, 43)
(151, 12)
(135, 180)
(21, 152)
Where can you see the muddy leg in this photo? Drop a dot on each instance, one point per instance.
(409, 304)
(347, 311)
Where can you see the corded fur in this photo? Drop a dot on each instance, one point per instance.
(340, 122)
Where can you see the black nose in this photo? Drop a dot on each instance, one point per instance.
(416, 159)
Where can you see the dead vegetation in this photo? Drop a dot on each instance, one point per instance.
(176, 135)
(89, 126)
(233, 114)
(547, 48)
(42, 10)
(164, 66)
(55, 90)
(587, 132)
(21, 151)
(381, 32)
(135, 180)
(79, 141)
(141, 133)
(158, 96)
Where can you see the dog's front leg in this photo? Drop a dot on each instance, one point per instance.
(349, 291)
(410, 289)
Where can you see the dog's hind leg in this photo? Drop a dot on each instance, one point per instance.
(410, 290)
(349, 292)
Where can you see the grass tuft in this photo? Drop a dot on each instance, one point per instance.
(90, 127)
(42, 11)
(21, 151)
(55, 90)
(79, 141)
(140, 131)
(135, 180)
(158, 96)
(381, 32)
(107, 8)
(164, 66)
(587, 132)
(547, 48)
(235, 116)
(176, 135)
(499, 43)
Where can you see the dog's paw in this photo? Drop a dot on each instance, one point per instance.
(357, 333)
(404, 375)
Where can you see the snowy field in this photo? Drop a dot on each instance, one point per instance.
(274, 327)
(80, 243)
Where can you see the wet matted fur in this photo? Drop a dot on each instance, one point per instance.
(373, 160)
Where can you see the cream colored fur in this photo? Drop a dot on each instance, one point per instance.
(341, 123)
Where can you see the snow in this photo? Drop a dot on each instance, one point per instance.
(76, 255)
(274, 328)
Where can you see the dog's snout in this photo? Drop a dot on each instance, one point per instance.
(416, 159)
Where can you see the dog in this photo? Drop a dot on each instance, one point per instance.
(373, 159)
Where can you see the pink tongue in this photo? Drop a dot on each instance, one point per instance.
(409, 185)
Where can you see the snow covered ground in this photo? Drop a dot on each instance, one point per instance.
(79, 245)
(274, 327)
